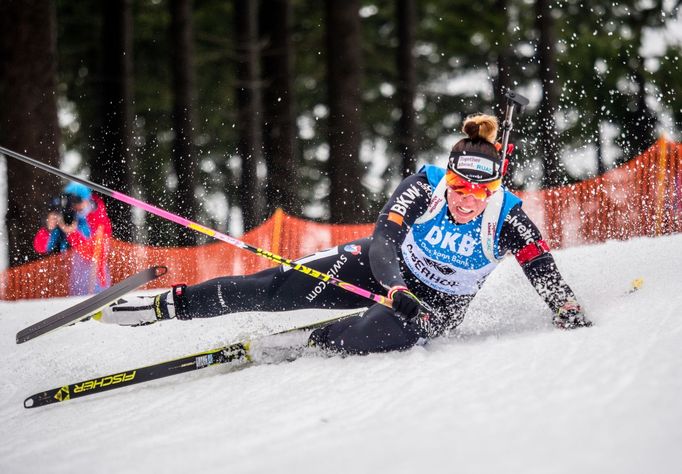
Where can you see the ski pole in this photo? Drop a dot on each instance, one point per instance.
(513, 100)
(200, 228)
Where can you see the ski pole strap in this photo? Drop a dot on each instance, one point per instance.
(398, 288)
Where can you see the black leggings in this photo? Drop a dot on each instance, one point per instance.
(283, 289)
(378, 330)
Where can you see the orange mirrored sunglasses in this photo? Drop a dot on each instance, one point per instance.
(480, 191)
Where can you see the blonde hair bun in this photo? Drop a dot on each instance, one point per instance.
(481, 127)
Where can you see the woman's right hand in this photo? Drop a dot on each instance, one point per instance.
(571, 316)
(405, 303)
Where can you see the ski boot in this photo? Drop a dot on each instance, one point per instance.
(143, 310)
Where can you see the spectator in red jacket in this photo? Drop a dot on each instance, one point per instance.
(86, 229)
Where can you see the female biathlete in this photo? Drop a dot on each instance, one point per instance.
(437, 239)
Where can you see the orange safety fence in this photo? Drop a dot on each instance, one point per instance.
(282, 234)
(643, 197)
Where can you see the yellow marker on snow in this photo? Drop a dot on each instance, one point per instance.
(636, 284)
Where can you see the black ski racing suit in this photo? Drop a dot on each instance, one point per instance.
(376, 264)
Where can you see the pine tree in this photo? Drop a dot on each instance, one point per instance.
(113, 161)
(344, 82)
(28, 117)
(249, 109)
(279, 125)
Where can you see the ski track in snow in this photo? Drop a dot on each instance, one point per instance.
(506, 393)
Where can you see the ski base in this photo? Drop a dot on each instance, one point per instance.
(91, 305)
(239, 354)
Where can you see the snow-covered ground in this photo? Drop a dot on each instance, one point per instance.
(508, 393)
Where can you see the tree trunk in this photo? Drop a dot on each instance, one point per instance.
(249, 109)
(640, 122)
(184, 151)
(114, 147)
(407, 86)
(279, 137)
(28, 117)
(549, 140)
(344, 70)
(502, 82)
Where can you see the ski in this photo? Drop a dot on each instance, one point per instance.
(237, 353)
(91, 305)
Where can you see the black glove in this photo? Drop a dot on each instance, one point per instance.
(570, 316)
(405, 304)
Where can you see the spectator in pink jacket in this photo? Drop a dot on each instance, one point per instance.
(79, 221)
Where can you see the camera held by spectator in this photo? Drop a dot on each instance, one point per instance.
(62, 206)
(51, 238)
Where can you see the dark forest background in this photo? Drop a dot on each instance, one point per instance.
(222, 111)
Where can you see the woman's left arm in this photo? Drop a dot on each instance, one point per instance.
(520, 236)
